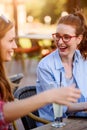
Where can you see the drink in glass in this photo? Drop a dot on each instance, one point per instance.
(58, 109)
(58, 113)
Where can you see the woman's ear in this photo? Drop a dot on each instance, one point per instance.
(80, 37)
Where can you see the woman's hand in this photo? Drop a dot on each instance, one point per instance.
(64, 95)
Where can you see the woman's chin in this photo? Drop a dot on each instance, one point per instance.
(63, 54)
(8, 59)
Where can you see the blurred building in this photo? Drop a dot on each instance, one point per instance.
(14, 10)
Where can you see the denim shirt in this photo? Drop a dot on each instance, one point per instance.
(48, 71)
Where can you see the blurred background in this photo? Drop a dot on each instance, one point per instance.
(32, 15)
(35, 21)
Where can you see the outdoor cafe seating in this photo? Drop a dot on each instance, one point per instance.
(29, 121)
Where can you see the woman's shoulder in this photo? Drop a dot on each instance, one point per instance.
(81, 61)
(79, 56)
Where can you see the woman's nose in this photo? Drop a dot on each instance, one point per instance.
(14, 45)
(60, 41)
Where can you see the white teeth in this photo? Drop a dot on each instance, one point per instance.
(12, 53)
(62, 47)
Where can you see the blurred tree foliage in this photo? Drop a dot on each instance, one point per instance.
(72, 4)
(53, 8)
(34, 7)
(41, 8)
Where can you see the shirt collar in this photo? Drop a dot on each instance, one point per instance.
(58, 62)
(77, 56)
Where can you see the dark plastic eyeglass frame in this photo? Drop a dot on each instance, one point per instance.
(55, 39)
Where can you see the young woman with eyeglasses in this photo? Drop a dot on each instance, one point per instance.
(10, 109)
(70, 58)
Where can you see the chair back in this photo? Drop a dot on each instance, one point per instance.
(22, 93)
(16, 78)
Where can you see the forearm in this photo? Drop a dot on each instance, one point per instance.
(75, 107)
(19, 108)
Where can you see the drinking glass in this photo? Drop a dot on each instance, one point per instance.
(58, 114)
(58, 109)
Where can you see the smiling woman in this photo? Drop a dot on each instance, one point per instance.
(70, 59)
(8, 44)
(7, 39)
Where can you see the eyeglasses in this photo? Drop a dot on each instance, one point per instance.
(65, 38)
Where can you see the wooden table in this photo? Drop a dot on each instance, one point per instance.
(71, 124)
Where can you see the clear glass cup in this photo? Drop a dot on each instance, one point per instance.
(58, 116)
(58, 109)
